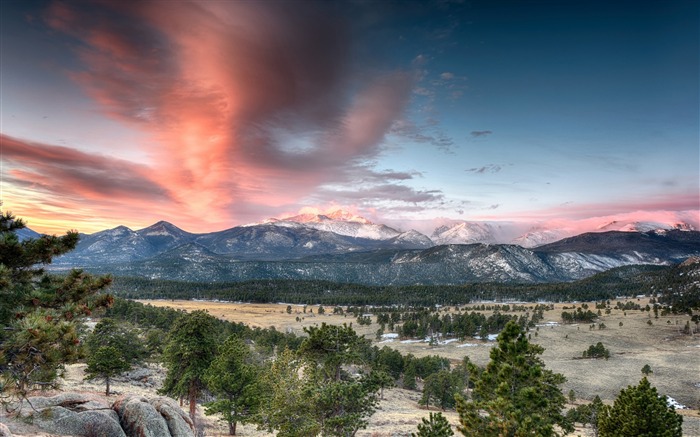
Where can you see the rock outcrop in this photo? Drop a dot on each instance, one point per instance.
(83, 414)
(141, 417)
(74, 414)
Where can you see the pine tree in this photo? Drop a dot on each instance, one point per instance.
(106, 362)
(288, 398)
(343, 403)
(515, 395)
(233, 379)
(40, 314)
(435, 426)
(311, 392)
(639, 411)
(440, 389)
(122, 336)
(189, 353)
(112, 349)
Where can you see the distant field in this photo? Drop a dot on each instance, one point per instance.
(673, 357)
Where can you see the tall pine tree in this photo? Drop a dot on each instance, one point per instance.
(233, 379)
(40, 314)
(190, 351)
(515, 395)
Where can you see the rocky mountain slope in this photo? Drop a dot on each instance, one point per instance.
(347, 248)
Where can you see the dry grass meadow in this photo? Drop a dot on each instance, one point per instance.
(673, 356)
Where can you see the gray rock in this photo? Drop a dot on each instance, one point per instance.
(5, 431)
(81, 414)
(74, 414)
(139, 418)
(179, 423)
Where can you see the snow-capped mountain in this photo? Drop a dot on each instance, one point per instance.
(344, 247)
(342, 223)
(642, 226)
(571, 259)
(465, 233)
(538, 237)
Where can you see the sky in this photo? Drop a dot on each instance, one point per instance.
(211, 114)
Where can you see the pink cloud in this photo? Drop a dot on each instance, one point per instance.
(221, 87)
(58, 188)
(58, 169)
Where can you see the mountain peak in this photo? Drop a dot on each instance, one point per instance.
(338, 215)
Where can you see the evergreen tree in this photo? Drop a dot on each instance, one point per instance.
(122, 336)
(112, 348)
(380, 379)
(435, 426)
(330, 347)
(440, 389)
(646, 370)
(233, 379)
(287, 403)
(343, 403)
(106, 362)
(311, 393)
(640, 412)
(40, 315)
(409, 375)
(587, 414)
(515, 395)
(189, 353)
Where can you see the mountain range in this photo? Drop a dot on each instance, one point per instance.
(346, 248)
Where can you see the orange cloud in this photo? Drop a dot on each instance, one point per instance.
(226, 91)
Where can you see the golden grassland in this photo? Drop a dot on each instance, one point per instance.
(674, 357)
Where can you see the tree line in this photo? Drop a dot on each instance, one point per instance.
(622, 281)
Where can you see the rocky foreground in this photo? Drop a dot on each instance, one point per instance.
(89, 414)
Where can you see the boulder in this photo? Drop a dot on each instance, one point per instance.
(83, 414)
(179, 423)
(74, 414)
(140, 417)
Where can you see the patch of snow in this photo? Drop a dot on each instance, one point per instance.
(390, 335)
(474, 345)
(675, 404)
(490, 337)
(548, 324)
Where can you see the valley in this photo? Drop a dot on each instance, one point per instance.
(632, 342)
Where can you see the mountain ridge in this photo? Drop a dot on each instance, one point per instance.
(348, 248)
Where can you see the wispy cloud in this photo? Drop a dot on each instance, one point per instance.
(480, 133)
(57, 171)
(490, 168)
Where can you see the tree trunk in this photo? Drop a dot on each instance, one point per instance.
(192, 397)
(107, 386)
(232, 428)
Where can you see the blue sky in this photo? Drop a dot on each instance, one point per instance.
(212, 114)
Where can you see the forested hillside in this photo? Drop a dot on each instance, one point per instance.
(623, 281)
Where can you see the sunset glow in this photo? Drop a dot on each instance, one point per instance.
(212, 114)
